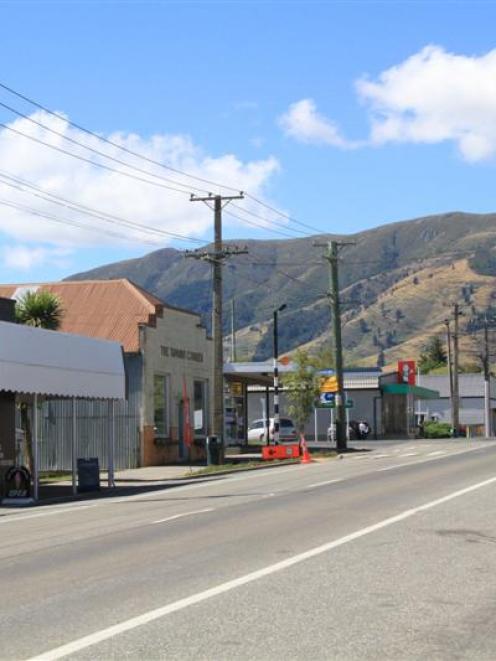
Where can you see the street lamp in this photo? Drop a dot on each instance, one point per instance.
(276, 377)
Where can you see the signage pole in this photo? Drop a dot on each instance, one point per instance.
(74, 447)
(315, 423)
(111, 482)
(35, 448)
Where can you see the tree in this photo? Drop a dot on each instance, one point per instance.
(433, 355)
(39, 308)
(302, 388)
(43, 310)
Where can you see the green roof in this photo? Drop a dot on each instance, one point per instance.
(405, 389)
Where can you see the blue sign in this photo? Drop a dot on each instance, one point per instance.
(327, 399)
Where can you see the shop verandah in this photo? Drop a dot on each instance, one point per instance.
(36, 365)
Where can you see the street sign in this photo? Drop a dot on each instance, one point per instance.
(326, 400)
(328, 384)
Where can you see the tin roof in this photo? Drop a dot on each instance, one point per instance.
(105, 309)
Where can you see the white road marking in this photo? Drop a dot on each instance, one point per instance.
(180, 516)
(390, 468)
(157, 613)
(409, 454)
(380, 456)
(14, 518)
(431, 454)
(321, 484)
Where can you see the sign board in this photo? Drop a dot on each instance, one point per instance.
(236, 388)
(328, 384)
(326, 400)
(88, 474)
(349, 404)
(18, 482)
(406, 372)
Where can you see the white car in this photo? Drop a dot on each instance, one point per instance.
(287, 431)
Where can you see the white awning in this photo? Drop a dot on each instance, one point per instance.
(50, 363)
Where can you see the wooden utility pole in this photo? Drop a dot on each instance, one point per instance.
(450, 370)
(456, 386)
(233, 332)
(216, 258)
(331, 256)
(487, 384)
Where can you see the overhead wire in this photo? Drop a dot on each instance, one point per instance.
(21, 185)
(143, 157)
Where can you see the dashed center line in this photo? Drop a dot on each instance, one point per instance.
(409, 454)
(321, 484)
(431, 454)
(180, 516)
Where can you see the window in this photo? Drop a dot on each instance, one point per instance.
(200, 410)
(160, 405)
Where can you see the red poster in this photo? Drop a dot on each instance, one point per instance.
(406, 372)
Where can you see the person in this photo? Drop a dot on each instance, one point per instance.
(363, 430)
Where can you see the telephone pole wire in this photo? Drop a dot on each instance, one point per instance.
(332, 256)
(216, 257)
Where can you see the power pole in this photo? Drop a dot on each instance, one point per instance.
(331, 256)
(276, 373)
(487, 383)
(456, 386)
(450, 371)
(233, 333)
(216, 258)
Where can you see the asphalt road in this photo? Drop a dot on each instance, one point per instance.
(390, 554)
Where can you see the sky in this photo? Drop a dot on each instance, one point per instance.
(334, 117)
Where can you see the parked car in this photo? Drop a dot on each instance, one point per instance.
(287, 430)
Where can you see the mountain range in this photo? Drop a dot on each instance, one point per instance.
(397, 282)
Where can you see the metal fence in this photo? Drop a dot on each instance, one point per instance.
(93, 433)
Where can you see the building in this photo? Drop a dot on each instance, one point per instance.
(471, 401)
(361, 387)
(166, 349)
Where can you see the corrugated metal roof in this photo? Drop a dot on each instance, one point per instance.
(105, 309)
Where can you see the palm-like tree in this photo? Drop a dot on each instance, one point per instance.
(39, 308)
(43, 310)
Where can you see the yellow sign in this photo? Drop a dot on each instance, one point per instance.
(236, 388)
(328, 384)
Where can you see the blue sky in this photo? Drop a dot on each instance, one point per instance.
(264, 95)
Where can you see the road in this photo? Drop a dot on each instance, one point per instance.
(383, 555)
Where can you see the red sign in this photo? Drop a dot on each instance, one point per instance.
(406, 372)
(187, 431)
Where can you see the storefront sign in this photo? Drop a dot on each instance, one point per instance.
(406, 372)
(183, 354)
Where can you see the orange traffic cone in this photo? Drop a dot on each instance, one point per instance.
(306, 458)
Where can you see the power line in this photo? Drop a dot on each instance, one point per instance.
(62, 221)
(102, 215)
(88, 160)
(131, 152)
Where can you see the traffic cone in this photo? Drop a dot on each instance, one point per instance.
(306, 458)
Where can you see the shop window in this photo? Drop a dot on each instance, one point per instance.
(200, 409)
(160, 405)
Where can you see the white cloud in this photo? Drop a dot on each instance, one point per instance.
(25, 258)
(303, 122)
(435, 96)
(431, 97)
(109, 192)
